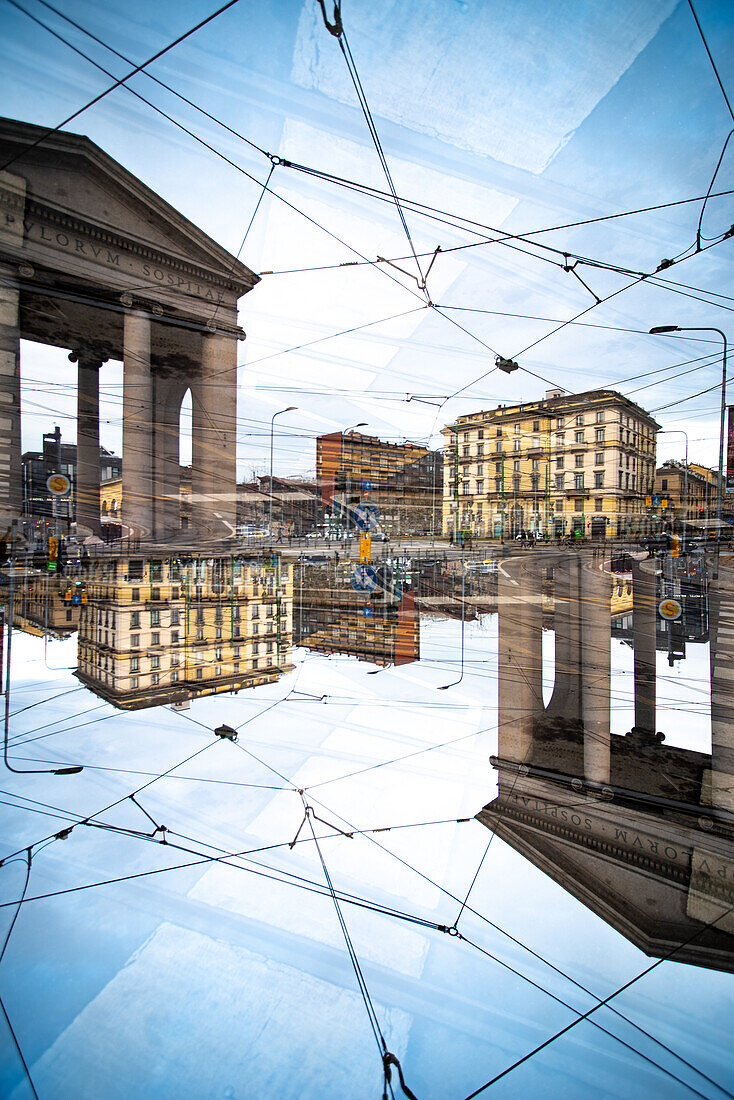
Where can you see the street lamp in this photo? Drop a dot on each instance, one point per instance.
(362, 424)
(291, 408)
(661, 330)
(679, 431)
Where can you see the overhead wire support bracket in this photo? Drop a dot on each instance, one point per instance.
(336, 27)
(571, 268)
(309, 813)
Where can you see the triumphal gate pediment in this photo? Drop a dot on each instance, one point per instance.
(94, 261)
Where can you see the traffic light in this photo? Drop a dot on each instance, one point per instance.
(674, 546)
(53, 554)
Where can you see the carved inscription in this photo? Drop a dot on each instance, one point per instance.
(154, 274)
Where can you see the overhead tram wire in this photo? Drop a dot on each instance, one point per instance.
(215, 151)
(277, 160)
(117, 83)
(710, 57)
(223, 156)
(340, 34)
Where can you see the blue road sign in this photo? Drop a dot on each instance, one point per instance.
(657, 500)
(364, 578)
(366, 516)
(366, 486)
(367, 612)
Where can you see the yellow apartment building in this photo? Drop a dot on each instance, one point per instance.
(164, 630)
(571, 464)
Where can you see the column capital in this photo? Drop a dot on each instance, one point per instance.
(89, 355)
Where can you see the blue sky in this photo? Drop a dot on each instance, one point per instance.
(521, 118)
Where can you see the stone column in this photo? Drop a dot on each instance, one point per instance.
(721, 647)
(565, 702)
(214, 437)
(596, 668)
(10, 463)
(167, 396)
(137, 427)
(644, 589)
(87, 495)
(520, 659)
(12, 212)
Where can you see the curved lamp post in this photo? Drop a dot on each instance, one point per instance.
(291, 408)
(662, 330)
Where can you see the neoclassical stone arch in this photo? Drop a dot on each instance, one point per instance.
(93, 260)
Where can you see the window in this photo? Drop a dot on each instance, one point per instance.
(499, 431)
(174, 637)
(559, 505)
(135, 620)
(174, 675)
(218, 653)
(155, 618)
(516, 445)
(517, 429)
(498, 485)
(465, 451)
(534, 483)
(599, 480)
(498, 468)
(135, 570)
(218, 632)
(516, 465)
(480, 469)
(155, 661)
(480, 486)
(599, 458)
(579, 459)
(536, 464)
(600, 435)
(236, 653)
(560, 439)
(560, 422)
(536, 425)
(578, 481)
(200, 634)
(620, 479)
(480, 448)
(175, 617)
(559, 481)
(600, 416)
(133, 681)
(579, 437)
(516, 483)
(134, 664)
(498, 447)
(480, 433)
(580, 418)
(134, 641)
(135, 595)
(535, 442)
(156, 571)
(664, 483)
(199, 673)
(559, 462)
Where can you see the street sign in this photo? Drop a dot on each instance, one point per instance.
(364, 578)
(664, 502)
(648, 501)
(366, 486)
(366, 516)
(367, 611)
(58, 485)
(670, 609)
(365, 548)
(656, 501)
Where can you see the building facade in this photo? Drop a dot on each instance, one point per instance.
(402, 479)
(164, 630)
(690, 499)
(573, 464)
(39, 505)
